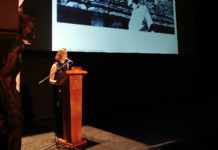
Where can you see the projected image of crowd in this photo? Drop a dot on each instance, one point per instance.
(138, 15)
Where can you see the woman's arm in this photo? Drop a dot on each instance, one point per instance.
(52, 74)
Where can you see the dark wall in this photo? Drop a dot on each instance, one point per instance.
(187, 26)
(41, 11)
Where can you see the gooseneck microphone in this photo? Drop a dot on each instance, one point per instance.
(68, 60)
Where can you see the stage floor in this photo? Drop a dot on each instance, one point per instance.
(97, 139)
(159, 135)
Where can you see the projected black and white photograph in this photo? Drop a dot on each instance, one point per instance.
(139, 15)
(115, 26)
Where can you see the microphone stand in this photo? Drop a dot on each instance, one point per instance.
(40, 82)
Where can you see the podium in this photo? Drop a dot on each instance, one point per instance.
(72, 107)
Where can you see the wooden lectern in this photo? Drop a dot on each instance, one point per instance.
(72, 107)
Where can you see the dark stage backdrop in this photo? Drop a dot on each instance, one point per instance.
(186, 24)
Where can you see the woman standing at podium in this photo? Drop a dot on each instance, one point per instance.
(56, 73)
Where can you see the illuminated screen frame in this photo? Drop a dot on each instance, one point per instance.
(86, 38)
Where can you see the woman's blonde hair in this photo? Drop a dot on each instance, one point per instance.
(60, 53)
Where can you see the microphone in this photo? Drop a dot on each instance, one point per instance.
(68, 60)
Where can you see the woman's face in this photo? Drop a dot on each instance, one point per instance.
(64, 56)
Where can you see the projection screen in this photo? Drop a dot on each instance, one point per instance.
(115, 26)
